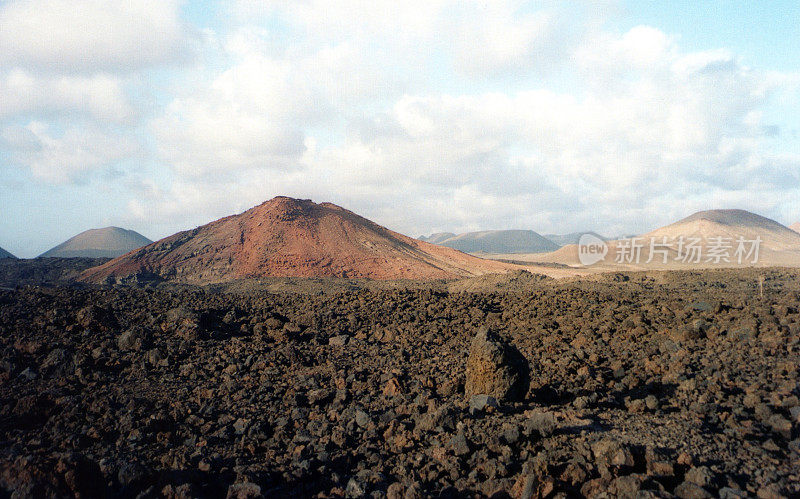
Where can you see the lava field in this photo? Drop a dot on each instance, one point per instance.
(670, 384)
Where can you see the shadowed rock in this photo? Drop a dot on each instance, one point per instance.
(495, 368)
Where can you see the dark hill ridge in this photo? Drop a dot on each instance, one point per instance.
(437, 237)
(287, 237)
(108, 242)
(5, 254)
(496, 241)
(572, 238)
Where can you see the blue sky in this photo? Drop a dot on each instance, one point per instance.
(761, 33)
(427, 116)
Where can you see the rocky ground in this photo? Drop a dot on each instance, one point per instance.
(44, 271)
(649, 385)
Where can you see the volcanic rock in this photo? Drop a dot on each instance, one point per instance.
(109, 242)
(609, 452)
(480, 403)
(305, 419)
(130, 340)
(458, 444)
(701, 476)
(339, 340)
(287, 237)
(245, 490)
(689, 490)
(495, 368)
(543, 423)
(44, 271)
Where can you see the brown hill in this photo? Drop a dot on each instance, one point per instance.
(779, 246)
(733, 224)
(795, 226)
(108, 242)
(287, 237)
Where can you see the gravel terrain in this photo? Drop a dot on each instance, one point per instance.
(44, 271)
(626, 385)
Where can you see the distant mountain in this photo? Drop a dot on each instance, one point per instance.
(733, 224)
(5, 254)
(437, 237)
(287, 237)
(572, 238)
(795, 226)
(778, 245)
(497, 242)
(109, 242)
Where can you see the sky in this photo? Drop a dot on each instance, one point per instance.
(424, 116)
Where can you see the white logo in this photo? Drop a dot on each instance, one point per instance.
(591, 249)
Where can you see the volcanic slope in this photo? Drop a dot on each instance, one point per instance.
(287, 237)
(5, 254)
(108, 242)
(731, 224)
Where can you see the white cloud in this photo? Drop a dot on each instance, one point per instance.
(257, 112)
(67, 157)
(470, 115)
(249, 116)
(101, 97)
(495, 38)
(349, 19)
(479, 39)
(651, 133)
(91, 35)
(78, 73)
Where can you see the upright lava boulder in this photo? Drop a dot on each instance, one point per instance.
(496, 368)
